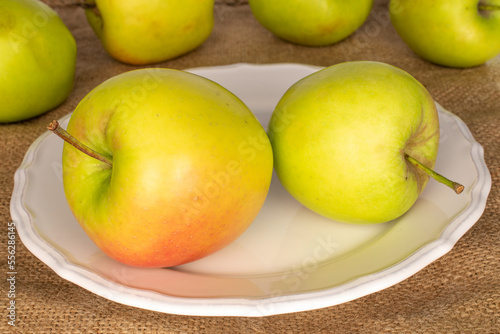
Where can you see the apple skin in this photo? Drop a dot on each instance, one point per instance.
(145, 32)
(339, 136)
(37, 60)
(191, 167)
(312, 22)
(452, 33)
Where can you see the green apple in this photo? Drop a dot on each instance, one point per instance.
(312, 22)
(453, 33)
(37, 59)
(176, 168)
(145, 32)
(350, 140)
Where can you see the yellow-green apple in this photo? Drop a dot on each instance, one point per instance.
(311, 22)
(177, 167)
(453, 33)
(145, 32)
(350, 140)
(37, 59)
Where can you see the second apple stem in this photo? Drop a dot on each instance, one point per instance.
(457, 187)
(486, 7)
(56, 129)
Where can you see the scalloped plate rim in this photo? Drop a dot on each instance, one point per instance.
(253, 307)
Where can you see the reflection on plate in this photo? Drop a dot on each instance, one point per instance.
(290, 259)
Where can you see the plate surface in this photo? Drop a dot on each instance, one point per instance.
(290, 259)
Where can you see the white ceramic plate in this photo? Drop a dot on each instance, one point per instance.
(290, 259)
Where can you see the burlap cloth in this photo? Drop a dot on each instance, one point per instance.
(459, 293)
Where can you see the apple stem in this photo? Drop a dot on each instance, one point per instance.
(89, 5)
(457, 187)
(63, 134)
(85, 4)
(485, 7)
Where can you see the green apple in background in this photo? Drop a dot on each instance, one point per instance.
(145, 32)
(176, 167)
(311, 22)
(453, 33)
(37, 59)
(350, 141)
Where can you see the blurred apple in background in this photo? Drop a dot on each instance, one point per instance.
(311, 22)
(350, 141)
(37, 59)
(145, 32)
(176, 168)
(453, 33)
